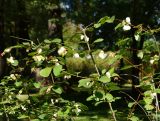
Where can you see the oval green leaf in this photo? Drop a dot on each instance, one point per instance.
(104, 79)
(45, 72)
(57, 70)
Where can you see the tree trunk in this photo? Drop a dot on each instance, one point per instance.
(135, 60)
(2, 24)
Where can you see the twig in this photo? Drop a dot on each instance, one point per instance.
(110, 105)
(132, 110)
(113, 113)
(137, 104)
(90, 53)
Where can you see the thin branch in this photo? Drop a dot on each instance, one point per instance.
(113, 113)
(137, 104)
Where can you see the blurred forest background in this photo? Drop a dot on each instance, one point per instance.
(40, 19)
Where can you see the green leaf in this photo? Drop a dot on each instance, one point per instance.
(22, 117)
(97, 25)
(35, 120)
(157, 91)
(122, 42)
(15, 63)
(134, 118)
(140, 54)
(26, 43)
(57, 70)
(131, 104)
(22, 97)
(114, 74)
(90, 98)
(126, 67)
(104, 71)
(149, 107)
(45, 72)
(42, 116)
(110, 20)
(104, 79)
(113, 60)
(104, 20)
(109, 97)
(58, 89)
(99, 94)
(99, 102)
(57, 40)
(118, 26)
(111, 71)
(43, 90)
(85, 83)
(147, 93)
(98, 40)
(1, 113)
(47, 41)
(37, 84)
(148, 100)
(113, 86)
(18, 84)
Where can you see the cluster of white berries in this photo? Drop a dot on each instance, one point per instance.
(62, 51)
(14, 76)
(77, 108)
(38, 58)
(126, 24)
(10, 60)
(86, 39)
(154, 59)
(108, 74)
(102, 55)
(76, 55)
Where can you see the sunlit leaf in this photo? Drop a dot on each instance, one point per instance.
(109, 97)
(97, 25)
(35, 120)
(57, 40)
(57, 70)
(99, 102)
(134, 118)
(47, 41)
(43, 90)
(120, 25)
(37, 84)
(18, 83)
(104, 79)
(90, 98)
(15, 63)
(148, 100)
(111, 71)
(140, 54)
(131, 104)
(157, 91)
(45, 72)
(22, 97)
(85, 83)
(58, 89)
(103, 20)
(22, 117)
(149, 107)
(98, 40)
